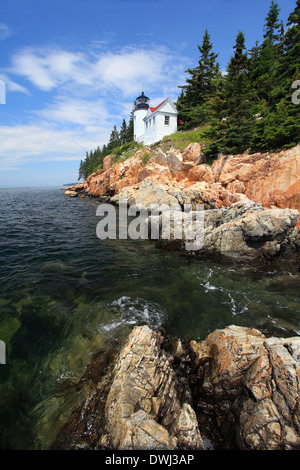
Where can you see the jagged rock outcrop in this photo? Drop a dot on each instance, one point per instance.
(273, 179)
(270, 178)
(244, 232)
(240, 390)
(250, 385)
(142, 409)
(235, 228)
(148, 195)
(137, 403)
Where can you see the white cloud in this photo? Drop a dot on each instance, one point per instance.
(5, 31)
(87, 93)
(125, 70)
(45, 69)
(13, 86)
(87, 114)
(43, 142)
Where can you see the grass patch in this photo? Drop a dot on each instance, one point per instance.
(146, 157)
(181, 139)
(126, 151)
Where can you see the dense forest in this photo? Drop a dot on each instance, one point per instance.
(254, 106)
(94, 159)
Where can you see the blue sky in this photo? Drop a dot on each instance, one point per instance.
(72, 70)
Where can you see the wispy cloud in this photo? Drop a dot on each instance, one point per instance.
(86, 93)
(5, 31)
(13, 86)
(100, 71)
(23, 143)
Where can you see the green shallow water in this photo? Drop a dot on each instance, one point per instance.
(64, 294)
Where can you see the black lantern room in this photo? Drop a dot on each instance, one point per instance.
(142, 102)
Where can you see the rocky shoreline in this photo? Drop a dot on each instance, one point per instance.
(251, 202)
(237, 389)
(243, 233)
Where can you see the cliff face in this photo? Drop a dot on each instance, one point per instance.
(251, 202)
(271, 179)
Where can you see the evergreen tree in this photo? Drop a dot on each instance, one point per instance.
(280, 126)
(193, 103)
(123, 132)
(272, 26)
(266, 63)
(234, 123)
(129, 133)
(291, 46)
(114, 140)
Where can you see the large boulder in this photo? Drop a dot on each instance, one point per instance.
(236, 389)
(108, 162)
(101, 183)
(142, 409)
(271, 179)
(192, 153)
(254, 384)
(148, 195)
(201, 173)
(244, 232)
(155, 172)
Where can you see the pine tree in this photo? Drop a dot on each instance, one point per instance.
(265, 64)
(114, 140)
(234, 123)
(123, 132)
(272, 25)
(193, 103)
(280, 126)
(291, 46)
(129, 133)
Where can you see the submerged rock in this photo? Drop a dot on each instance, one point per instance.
(240, 390)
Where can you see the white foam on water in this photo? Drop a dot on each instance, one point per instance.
(136, 311)
(235, 306)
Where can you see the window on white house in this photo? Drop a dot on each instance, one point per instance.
(154, 121)
(167, 120)
(149, 122)
(147, 125)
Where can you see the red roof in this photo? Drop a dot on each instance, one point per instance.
(154, 109)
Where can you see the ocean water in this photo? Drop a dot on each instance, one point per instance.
(64, 294)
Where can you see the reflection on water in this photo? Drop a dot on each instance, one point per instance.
(64, 294)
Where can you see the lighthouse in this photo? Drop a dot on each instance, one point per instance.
(142, 106)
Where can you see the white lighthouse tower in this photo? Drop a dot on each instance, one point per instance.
(142, 105)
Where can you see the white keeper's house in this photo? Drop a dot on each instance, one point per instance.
(151, 124)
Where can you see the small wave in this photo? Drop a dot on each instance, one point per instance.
(135, 312)
(235, 306)
(209, 286)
